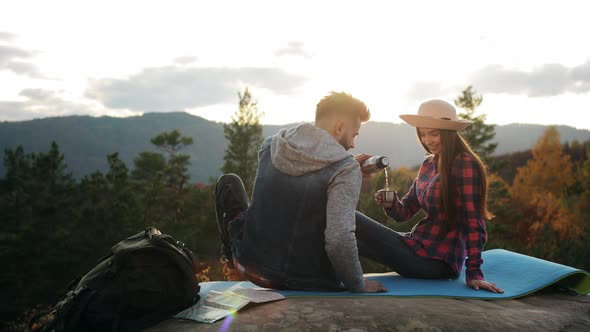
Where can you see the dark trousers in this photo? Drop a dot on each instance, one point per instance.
(386, 246)
(374, 241)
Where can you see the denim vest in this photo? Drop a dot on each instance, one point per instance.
(283, 231)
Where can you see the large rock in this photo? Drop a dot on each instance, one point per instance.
(547, 311)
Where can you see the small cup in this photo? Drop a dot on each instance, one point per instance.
(388, 196)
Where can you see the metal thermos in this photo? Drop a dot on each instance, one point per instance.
(374, 164)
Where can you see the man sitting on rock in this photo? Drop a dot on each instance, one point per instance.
(298, 231)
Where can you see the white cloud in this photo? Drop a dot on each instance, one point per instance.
(173, 88)
(544, 80)
(185, 60)
(293, 49)
(42, 103)
(14, 59)
(6, 36)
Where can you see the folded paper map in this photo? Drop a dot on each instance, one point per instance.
(217, 305)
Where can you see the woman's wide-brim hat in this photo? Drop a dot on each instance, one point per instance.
(436, 114)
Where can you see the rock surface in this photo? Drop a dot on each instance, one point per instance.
(547, 311)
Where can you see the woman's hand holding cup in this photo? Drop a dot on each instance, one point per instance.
(385, 198)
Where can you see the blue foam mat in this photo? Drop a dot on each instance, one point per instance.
(518, 275)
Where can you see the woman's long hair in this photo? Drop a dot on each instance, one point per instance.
(452, 144)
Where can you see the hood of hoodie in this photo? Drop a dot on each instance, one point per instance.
(305, 149)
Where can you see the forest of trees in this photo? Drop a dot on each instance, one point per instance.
(54, 227)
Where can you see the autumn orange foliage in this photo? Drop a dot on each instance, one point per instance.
(539, 191)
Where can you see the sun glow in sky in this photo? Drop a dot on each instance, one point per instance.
(529, 59)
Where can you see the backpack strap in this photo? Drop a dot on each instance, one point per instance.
(66, 314)
(68, 311)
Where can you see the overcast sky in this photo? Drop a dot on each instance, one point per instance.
(529, 59)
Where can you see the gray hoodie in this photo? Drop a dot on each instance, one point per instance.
(305, 149)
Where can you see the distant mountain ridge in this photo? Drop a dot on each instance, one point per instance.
(85, 141)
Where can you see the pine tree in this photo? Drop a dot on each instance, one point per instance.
(38, 217)
(176, 172)
(163, 181)
(244, 135)
(479, 134)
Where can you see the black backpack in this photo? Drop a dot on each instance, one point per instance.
(145, 279)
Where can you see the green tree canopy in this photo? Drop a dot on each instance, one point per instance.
(244, 135)
(479, 134)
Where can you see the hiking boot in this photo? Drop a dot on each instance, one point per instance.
(230, 200)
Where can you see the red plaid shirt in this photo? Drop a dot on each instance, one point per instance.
(428, 238)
